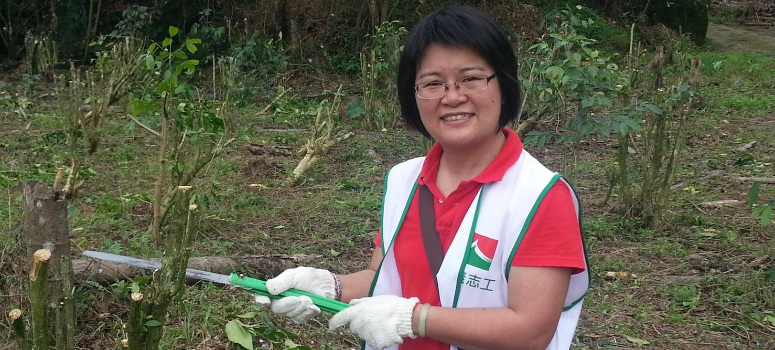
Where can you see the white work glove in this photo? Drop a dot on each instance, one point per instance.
(381, 321)
(299, 309)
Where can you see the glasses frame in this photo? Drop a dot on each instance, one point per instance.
(487, 79)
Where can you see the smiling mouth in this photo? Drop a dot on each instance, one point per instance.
(452, 118)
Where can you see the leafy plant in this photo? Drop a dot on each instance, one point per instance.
(271, 336)
(564, 75)
(215, 39)
(610, 36)
(150, 306)
(657, 150)
(580, 92)
(379, 104)
(265, 60)
(761, 210)
(135, 19)
(190, 134)
(685, 297)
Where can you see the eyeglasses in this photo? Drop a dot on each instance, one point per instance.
(467, 85)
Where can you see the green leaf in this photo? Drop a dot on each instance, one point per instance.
(237, 333)
(745, 159)
(166, 42)
(638, 341)
(190, 65)
(652, 108)
(576, 59)
(537, 138)
(142, 280)
(213, 124)
(173, 31)
(753, 194)
(150, 63)
(355, 108)
(152, 323)
(289, 344)
(191, 44)
(769, 276)
(554, 72)
(181, 88)
(162, 87)
(630, 124)
(140, 106)
(766, 215)
(592, 70)
(190, 47)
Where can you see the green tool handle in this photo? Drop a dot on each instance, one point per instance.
(259, 287)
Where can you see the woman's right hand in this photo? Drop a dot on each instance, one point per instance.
(299, 309)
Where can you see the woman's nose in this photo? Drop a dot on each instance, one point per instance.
(452, 93)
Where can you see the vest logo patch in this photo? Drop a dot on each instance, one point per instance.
(482, 251)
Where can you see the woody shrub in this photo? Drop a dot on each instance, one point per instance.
(573, 91)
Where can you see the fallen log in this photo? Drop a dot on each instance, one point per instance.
(258, 266)
(720, 203)
(764, 180)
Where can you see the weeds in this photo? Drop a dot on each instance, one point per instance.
(761, 210)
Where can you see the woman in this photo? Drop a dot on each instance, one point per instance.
(504, 233)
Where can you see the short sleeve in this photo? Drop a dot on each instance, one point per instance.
(553, 238)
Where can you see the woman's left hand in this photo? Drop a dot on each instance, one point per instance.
(381, 321)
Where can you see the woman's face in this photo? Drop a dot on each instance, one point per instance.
(458, 120)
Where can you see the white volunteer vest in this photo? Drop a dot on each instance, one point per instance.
(473, 275)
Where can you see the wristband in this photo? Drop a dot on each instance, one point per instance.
(423, 317)
(337, 287)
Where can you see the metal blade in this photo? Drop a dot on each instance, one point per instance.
(155, 265)
(250, 284)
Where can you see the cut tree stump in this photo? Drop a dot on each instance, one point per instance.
(46, 235)
(46, 227)
(258, 266)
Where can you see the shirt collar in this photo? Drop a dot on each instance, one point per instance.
(507, 156)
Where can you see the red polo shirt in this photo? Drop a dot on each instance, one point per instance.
(553, 238)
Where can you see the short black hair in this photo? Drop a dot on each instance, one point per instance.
(460, 27)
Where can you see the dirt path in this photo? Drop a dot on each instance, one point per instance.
(728, 38)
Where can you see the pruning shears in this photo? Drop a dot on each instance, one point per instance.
(252, 285)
